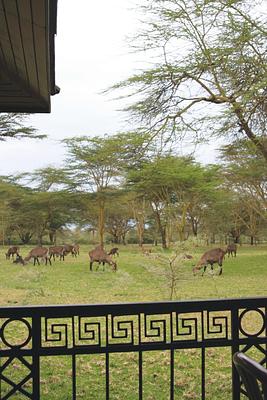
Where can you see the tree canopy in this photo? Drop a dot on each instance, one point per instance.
(209, 75)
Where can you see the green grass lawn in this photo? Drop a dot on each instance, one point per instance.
(139, 278)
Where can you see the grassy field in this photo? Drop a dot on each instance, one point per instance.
(139, 278)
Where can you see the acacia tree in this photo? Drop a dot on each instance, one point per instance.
(97, 164)
(210, 73)
(119, 219)
(93, 166)
(171, 184)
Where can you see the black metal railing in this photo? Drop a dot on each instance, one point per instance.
(29, 335)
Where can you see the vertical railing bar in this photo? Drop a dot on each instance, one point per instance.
(265, 313)
(36, 346)
(172, 375)
(203, 361)
(74, 389)
(265, 336)
(140, 375)
(74, 377)
(107, 376)
(171, 359)
(203, 376)
(140, 361)
(235, 348)
(107, 361)
(0, 381)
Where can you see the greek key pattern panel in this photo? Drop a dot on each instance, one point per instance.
(136, 330)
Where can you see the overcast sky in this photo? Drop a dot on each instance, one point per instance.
(91, 54)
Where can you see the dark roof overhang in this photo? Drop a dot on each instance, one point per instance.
(27, 55)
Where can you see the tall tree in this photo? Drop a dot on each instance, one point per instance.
(210, 71)
(97, 165)
(93, 166)
(119, 219)
(171, 185)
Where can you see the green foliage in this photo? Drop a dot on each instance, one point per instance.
(246, 176)
(12, 126)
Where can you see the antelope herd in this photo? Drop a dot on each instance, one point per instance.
(101, 256)
(47, 254)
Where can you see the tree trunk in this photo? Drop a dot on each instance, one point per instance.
(163, 237)
(162, 230)
(101, 222)
(252, 240)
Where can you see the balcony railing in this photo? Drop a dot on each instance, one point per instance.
(30, 335)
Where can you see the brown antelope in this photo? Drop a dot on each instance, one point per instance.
(101, 256)
(68, 248)
(214, 256)
(11, 252)
(56, 251)
(75, 250)
(114, 251)
(231, 249)
(36, 253)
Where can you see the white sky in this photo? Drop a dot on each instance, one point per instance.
(91, 54)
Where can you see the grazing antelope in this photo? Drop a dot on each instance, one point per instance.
(231, 249)
(56, 251)
(11, 252)
(36, 253)
(214, 256)
(101, 256)
(68, 248)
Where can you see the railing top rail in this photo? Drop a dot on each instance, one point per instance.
(129, 308)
